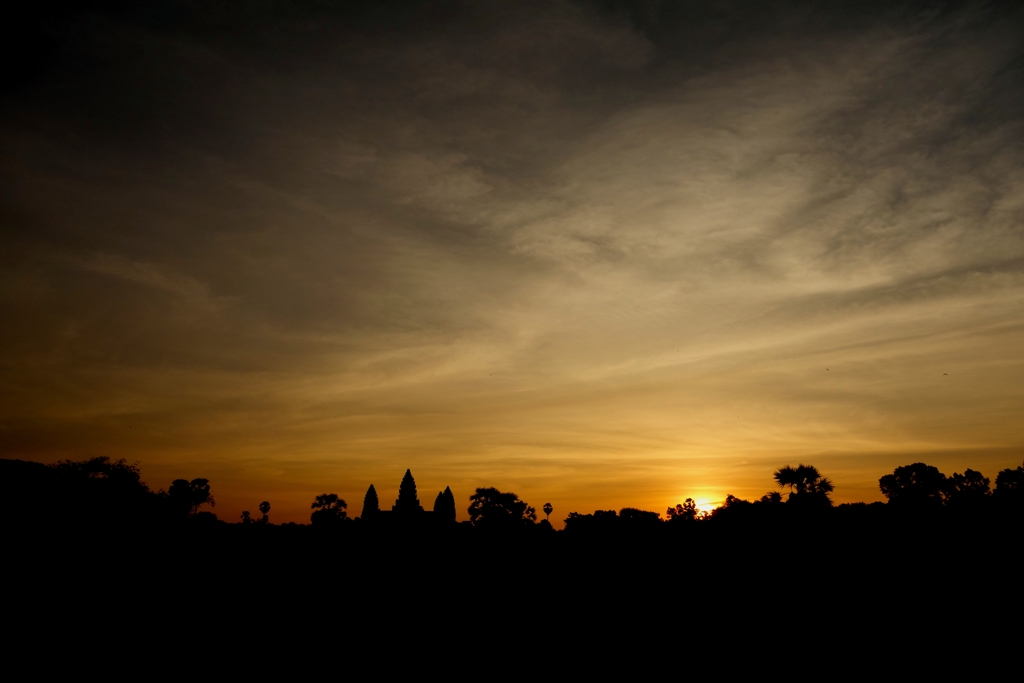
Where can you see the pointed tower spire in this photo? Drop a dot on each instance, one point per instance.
(407, 500)
(371, 506)
(444, 506)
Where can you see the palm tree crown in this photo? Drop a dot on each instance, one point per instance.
(803, 479)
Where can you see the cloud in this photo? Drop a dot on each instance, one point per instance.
(195, 293)
(514, 238)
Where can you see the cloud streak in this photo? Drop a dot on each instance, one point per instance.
(596, 256)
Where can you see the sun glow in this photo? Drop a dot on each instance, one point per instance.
(706, 505)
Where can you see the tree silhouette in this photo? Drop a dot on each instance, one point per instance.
(805, 483)
(491, 509)
(407, 499)
(635, 516)
(444, 505)
(265, 511)
(117, 472)
(246, 517)
(371, 506)
(190, 495)
(601, 522)
(98, 489)
(915, 485)
(684, 512)
(1010, 481)
(735, 508)
(328, 509)
(967, 489)
(1010, 488)
(577, 522)
(547, 511)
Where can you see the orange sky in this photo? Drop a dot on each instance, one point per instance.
(596, 257)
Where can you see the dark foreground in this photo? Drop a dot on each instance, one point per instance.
(888, 573)
(80, 571)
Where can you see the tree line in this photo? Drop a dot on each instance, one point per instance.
(101, 491)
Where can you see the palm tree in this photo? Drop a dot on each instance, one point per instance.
(804, 480)
(786, 476)
(547, 511)
(265, 509)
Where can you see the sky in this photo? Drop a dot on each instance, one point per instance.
(600, 254)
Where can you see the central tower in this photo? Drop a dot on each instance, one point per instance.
(407, 501)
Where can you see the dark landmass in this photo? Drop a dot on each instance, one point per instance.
(91, 535)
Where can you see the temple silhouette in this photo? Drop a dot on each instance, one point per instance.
(407, 508)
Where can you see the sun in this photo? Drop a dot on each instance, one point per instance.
(705, 504)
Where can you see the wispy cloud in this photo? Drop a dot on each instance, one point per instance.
(195, 293)
(539, 245)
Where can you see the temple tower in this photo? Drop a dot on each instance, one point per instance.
(444, 505)
(370, 504)
(407, 501)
